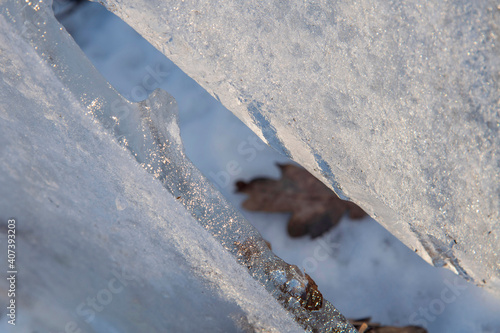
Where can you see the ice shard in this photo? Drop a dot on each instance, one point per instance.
(116, 230)
(394, 105)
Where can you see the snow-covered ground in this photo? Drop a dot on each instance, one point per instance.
(360, 267)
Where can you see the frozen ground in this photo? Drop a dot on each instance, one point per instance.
(361, 268)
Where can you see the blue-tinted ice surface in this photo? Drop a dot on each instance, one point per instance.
(117, 231)
(359, 266)
(393, 104)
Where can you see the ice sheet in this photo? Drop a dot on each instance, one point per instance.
(90, 217)
(367, 271)
(393, 105)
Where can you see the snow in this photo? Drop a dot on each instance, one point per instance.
(393, 105)
(103, 243)
(359, 266)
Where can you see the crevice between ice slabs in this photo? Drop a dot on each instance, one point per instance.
(149, 131)
(399, 102)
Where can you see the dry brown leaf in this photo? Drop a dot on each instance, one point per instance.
(365, 326)
(314, 207)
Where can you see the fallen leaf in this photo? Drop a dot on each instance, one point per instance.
(314, 207)
(365, 326)
(312, 299)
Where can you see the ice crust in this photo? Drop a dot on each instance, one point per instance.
(394, 105)
(73, 160)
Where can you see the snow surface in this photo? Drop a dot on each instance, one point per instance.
(102, 246)
(392, 104)
(359, 266)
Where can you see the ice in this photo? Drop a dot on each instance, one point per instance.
(116, 230)
(367, 271)
(393, 105)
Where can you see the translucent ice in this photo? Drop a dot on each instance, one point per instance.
(394, 105)
(102, 245)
